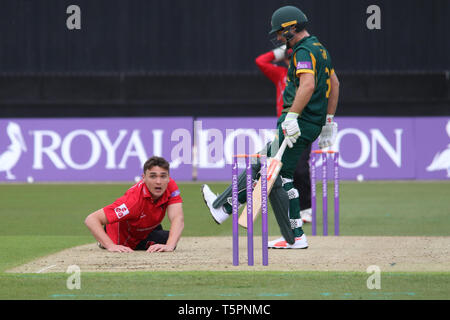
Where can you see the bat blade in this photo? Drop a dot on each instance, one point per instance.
(272, 174)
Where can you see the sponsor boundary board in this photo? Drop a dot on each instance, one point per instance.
(114, 149)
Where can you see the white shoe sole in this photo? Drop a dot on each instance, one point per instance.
(218, 217)
(287, 248)
(304, 244)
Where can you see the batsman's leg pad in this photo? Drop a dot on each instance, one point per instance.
(279, 200)
(294, 207)
(225, 197)
(302, 179)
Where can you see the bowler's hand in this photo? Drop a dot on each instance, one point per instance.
(290, 127)
(160, 248)
(328, 135)
(119, 248)
(279, 53)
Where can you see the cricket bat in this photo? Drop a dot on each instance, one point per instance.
(274, 166)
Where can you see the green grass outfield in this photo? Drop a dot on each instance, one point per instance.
(39, 219)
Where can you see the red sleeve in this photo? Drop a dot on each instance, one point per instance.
(270, 70)
(124, 208)
(175, 195)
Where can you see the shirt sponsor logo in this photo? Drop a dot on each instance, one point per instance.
(175, 193)
(121, 211)
(304, 65)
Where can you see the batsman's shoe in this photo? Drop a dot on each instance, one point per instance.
(306, 215)
(219, 215)
(280, 243)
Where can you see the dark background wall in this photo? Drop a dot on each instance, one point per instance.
(196, 57)
(215, 35)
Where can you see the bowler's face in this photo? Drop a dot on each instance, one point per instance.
(156, 179)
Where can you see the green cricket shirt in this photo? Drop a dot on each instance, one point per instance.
(309, 56)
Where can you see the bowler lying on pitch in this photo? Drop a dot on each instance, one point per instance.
(133, 221)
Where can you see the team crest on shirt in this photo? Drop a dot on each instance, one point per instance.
(121, 211)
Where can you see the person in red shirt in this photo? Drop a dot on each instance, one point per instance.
(133, 221)
(268, 63)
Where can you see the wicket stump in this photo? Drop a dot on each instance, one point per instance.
(314, 155)
(264, 208)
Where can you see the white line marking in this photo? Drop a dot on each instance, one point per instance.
(46, 268)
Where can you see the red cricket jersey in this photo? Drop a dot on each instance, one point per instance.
(134, 215)
(276, 74)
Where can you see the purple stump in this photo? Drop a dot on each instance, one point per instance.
(313, 194)
(249, 183)
(325, 196)
(264, 212)
(235, 212)
(336, 193)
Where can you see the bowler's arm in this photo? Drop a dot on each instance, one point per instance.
(95, 222)
(176, 218)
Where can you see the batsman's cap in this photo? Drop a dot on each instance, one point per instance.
(288, 16)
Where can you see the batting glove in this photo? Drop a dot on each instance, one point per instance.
(290, 127)
(279, 53)
(329, 132)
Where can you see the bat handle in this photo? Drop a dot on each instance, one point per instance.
(280, 152)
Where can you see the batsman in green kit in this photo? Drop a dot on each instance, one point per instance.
(310, 102)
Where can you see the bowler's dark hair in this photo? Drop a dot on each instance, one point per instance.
(156, 162)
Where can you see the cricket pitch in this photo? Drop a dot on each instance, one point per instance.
(343, 253)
